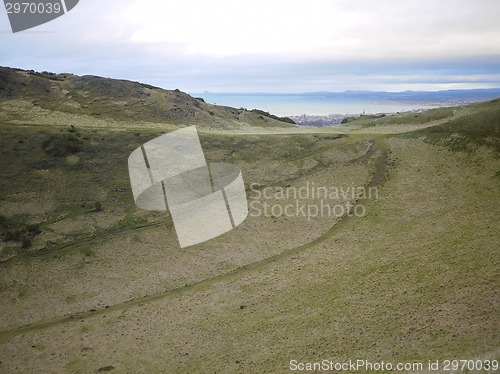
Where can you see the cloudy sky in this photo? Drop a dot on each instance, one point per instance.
(269, 45)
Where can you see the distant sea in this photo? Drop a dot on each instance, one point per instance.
(349, 102)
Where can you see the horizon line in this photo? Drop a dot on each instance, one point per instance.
(338, 92)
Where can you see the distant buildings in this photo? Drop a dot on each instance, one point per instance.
(318, 121)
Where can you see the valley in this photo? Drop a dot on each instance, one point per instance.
(90, 283)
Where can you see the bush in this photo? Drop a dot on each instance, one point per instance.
(13, 229)
(62, 145)
(34, 229)
(26, 242)
(12, 234)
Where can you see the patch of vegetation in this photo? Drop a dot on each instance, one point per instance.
(12, 229)
(22, 292)
(480, 128)
(75, 366)
(62, 145)
(84, 329)
(105, 369)
(435, 114)
(97, 206)
(267, 114)
(362, 117)
(46, 74)
(407, 118)
(145, 85)
(26, 242)
(87, 252)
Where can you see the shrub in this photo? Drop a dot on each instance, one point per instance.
(34, 229)
(12, 234)
(13, 229)
(26, 242)
(62, 145)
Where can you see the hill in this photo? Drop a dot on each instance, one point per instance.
(88, 97)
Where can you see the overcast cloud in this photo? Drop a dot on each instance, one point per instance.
(269, 46)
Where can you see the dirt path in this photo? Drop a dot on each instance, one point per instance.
(377, 178)
(72, 246)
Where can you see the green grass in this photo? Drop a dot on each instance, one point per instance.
(406, 118)
(104, 99)
(75, 366)
(62, 145)
(480, 128)
(413, 280)
(88, 252)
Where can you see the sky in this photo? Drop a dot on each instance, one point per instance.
(284, 46)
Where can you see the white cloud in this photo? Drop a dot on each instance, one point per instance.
(325, 29)
(272, 45)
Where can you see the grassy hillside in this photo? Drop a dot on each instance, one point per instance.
(480, 126)
(100, 98)
(90, 283)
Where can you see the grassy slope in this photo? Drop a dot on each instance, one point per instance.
(87, 98)
(414, 280)
(60, 193)
(479, 127)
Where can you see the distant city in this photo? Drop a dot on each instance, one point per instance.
(328, 120)
(318, 121)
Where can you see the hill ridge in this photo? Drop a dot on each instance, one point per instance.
(122, 100)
